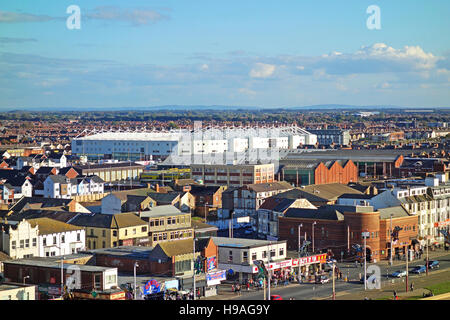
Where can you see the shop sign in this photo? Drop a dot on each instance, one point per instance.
(319, 258)
(152, 286)
(442, 223)
(279, 265)
(214, 278)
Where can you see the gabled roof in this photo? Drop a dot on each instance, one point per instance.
(164, 197)
(63, 216)
(277, 204)
(49, 226)
(272, 186)
(199, 190)
(329, 191)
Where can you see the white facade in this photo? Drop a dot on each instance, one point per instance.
(20, 242)
(62, 243)
(62, 187)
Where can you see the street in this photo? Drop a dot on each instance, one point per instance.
(309, 291)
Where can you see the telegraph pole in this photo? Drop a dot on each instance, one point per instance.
(193, 268)
(427, 257)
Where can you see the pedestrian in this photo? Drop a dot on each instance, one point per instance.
(395, 295)
(232, 288)
(356, 264)
(248, 286)
(412, 286)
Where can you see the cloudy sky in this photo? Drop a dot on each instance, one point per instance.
(138, 53)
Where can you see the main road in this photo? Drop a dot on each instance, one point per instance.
(308, 291)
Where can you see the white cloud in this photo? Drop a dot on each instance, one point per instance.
(262, 70)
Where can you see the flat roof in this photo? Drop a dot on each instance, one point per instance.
(242, 242)
(54, 264)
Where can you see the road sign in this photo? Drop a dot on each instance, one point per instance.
(243, 219)
(365, 234)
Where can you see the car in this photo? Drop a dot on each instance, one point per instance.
(419, 269)
(398, 274)
(367, 277)
(248, 231)
(276, 297)
(322, 279)
(433, 264)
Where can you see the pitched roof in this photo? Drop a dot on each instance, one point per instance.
(164, 197)
(49, 226)
(277, 204)
(108, 221)
(322, 213)
(45, 202)
(397, 211)
(329, 191)
(176, 248)
(272, 186)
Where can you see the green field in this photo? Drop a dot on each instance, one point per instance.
(439, 288)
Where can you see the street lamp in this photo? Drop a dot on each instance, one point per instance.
(135, 286)
(299, 240)
(314, 223)
(25, 278)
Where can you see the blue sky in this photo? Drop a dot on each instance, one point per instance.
(139, 53)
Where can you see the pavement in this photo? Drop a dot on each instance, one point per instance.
(352, 289)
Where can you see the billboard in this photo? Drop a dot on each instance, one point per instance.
(216, 277)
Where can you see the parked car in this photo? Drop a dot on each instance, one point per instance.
(419, 269)
(367, 277)
(399, 274)
(433, 264)
(322, 279)
(276, 297)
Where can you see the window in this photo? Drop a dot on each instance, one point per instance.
(253, 256)
(264, 254)
(63, 239)
(281, 251)
(104, 244)
(22, 244)
(104, 233)
(115, 233)
(13, 245)
(78, 236)
(272, 253)
(144, 229)
(126, 232)
(244, 256)
(134, 231)
(230, 256)
(27, 243)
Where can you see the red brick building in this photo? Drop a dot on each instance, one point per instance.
(339, 228)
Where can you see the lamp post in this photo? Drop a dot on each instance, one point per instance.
(334, 288)
(25, 278)
(299, 240)
(407, 258)
(390, 256)
(365, 234)
(314, 223)
(135, 286)
(268, 271)
(193, 268)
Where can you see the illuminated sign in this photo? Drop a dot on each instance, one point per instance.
(214, 278)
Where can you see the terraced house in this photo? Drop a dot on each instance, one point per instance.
(112, 230)
(167, 223)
